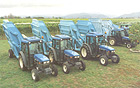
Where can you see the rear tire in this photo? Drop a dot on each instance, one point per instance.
(129, 45)
(83, 66)
(115, 58)
(103, 60)
(112, 41)
(52, 55)
(66, 68)
(21, 63)
(35, 75)
(54, 70)
(11, 54)
(85, 52)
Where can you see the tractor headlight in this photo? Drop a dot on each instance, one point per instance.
(113, 51)
(40, 40)
(46, 62)
(50, 41)
(76, 56)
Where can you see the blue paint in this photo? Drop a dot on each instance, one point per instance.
(41, 57)
(127, 38)
(71, 53)
(107, 48)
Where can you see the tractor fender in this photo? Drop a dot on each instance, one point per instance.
(88, 47)
(23, 57)
(55, 57)
(109, 37)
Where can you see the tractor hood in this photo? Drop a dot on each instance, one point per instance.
(126, 38)
(107, 48)
(41, 57)
(71, 53)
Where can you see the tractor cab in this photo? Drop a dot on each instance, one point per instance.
(126, 28)
(120, 36)
(62, 45)
(97, 42)
(62, 53)
(33, 51)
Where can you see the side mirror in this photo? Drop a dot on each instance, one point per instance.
(57, 43)
(74, 41)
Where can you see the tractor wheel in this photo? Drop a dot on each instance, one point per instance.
(54, 70)
(66, 68)
(115, 58)
(83, 66)
(103, 60)
(52, 55)
(21, 63)
(128, 45)
(112, 41)
(85, 52)
(11, 54)
(35, 75)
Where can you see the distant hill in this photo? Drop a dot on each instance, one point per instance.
(89, 15)
(131, 15)
(85, 15)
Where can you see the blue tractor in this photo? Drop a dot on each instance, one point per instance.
(92, 45)
(28, 51)
(114, 34)
(58, 48)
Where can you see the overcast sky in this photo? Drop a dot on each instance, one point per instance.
(65, 7)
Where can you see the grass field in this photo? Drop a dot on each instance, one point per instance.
(126, 74)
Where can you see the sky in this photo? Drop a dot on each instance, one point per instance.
(65, 7)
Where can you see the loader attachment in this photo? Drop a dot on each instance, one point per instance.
(13, 35)
(67, 27)
(40, 30)
(85, 27)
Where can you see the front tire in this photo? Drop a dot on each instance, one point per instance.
(103, 60)
(112, 41)
(54, 70)
(85, 52)
(11, 54)
(129, 45)
(115, 58)
(35, 75)
(83, 66)
(52, 55)
(21, 63)
(66, 68)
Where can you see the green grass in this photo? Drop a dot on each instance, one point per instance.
(126, 74)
